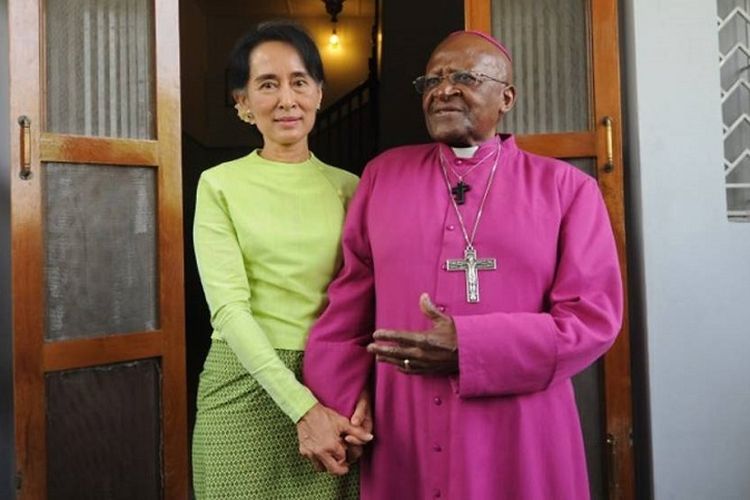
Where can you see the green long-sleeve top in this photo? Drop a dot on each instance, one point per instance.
(267, 240)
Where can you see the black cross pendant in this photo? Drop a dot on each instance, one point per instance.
(459, 191)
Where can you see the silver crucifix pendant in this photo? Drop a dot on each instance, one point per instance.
(471, 265)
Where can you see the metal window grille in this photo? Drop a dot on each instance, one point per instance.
(734, 64)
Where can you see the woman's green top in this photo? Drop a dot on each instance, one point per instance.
(267, 240)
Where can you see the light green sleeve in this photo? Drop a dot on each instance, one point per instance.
(225, 283)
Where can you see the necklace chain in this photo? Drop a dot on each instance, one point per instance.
(469, 241)
(461, 177)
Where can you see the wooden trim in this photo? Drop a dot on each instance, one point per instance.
(70, 354)
(97, 150)
(174, 394)
(562, 145)
(26, 254)
(478, 15)
(605, 51)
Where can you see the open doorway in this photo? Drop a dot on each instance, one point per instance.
(212, 133)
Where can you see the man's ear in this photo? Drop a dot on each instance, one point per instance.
(509, 99)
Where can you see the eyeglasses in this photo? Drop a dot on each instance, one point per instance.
(468, 79)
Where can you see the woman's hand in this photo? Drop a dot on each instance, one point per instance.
(362, 417)
(320, 433)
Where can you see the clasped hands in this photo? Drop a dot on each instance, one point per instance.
(333, 442)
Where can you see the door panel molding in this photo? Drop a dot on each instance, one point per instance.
(478, 15)
(168, 133)
(62, 148)
(28, 377)
(96, 351)
(605, 50)
(560, 145)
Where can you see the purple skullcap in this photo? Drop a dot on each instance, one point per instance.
(486, 37)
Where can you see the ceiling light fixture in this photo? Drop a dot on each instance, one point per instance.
(333, 8)
(333, 40)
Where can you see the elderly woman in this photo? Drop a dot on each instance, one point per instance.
(267, 230)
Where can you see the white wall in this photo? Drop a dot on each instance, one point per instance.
(694, 265)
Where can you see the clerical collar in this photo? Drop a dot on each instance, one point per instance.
(467, 152)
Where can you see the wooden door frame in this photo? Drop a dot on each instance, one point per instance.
(7, 456)
(606, 90)
(32, 356)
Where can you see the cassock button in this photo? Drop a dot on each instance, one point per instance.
(450, 227)
(441, 308)
(437, 448)
(437, 401)
(436, 493)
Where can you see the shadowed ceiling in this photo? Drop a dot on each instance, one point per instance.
(285, 8)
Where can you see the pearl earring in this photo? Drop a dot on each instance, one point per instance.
(244, 114)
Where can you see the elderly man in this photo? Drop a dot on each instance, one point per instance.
(490, 277)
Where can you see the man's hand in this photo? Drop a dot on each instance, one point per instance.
(362, 417)
(430, 352)
(320, 433)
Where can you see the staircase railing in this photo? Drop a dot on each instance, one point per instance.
(346, 132)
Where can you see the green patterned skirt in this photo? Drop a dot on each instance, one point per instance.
(245, 447)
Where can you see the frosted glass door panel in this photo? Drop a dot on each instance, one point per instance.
(100, 250)
(589, 389)
(100, 75)
(548, 40)
(104, 432)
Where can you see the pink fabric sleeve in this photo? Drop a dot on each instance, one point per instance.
(514, 353)
(337, 365)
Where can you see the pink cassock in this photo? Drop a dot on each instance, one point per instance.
(506, 426)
